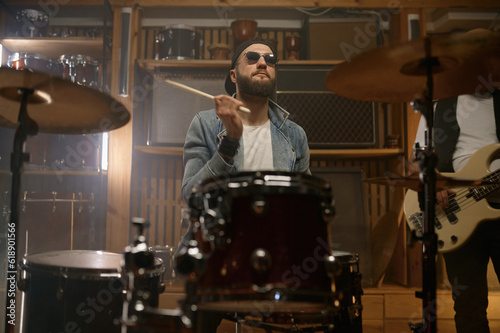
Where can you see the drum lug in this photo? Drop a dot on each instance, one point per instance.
(214, 229)
(213, 224)
(23, 280)
(327, 211)
(60, 293)
(260, 205)
(261, 260)
(161, 287)
(333, 267)
(190, 260)
(23, 284)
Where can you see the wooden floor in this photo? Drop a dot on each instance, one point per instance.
(387, 309)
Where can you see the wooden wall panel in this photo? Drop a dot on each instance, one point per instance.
(158, 198)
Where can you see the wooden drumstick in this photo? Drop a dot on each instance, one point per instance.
(201, 93)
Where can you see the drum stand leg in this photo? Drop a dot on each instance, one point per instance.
(27, 126)
(427, 162)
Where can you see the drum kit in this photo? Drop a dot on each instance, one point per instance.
(259, 251)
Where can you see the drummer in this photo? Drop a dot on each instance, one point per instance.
(224, 140)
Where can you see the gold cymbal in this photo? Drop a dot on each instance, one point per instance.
(413, 182)
(467, 63)
(58, 106)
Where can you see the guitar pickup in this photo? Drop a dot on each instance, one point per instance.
(417, 221)
(437, 223)
(450, 212)
(452, 218)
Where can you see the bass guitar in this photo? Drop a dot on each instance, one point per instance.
(468, 206)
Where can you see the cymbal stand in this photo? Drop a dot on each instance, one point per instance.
(427, 162)
(26, 127)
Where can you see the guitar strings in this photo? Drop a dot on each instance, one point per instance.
(462, 199)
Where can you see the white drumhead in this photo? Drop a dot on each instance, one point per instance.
(83, 259)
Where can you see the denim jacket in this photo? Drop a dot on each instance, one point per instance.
(202, 160)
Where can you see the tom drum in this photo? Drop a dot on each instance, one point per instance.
(265, 239)
(178, 42)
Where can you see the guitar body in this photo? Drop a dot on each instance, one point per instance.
(454, 229)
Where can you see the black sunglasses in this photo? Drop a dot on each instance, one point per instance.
(253, 56)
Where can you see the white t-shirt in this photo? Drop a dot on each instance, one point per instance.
(257, 147)
(476, 120)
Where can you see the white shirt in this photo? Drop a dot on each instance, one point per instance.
(476, 120)
(257, 147)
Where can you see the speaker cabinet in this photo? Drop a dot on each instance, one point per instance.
(329, 120)
(174, 108)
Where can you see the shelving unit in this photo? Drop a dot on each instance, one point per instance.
(39, 177)
(54, 47)
(315, 153)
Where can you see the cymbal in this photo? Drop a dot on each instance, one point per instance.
(58, 106)
(414, 183)
(467, 62)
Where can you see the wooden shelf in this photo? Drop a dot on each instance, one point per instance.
(54, 47)
(62, 173)
(302, 3)
(266, 3)
(59, 173)
(356, 153)
(198, 63)
(160, 150)
(315, 153)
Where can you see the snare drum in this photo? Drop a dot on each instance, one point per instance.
(32, 23)
(81, 69)
(76, 291)
(268, 237)
(178, 42)
(34, 62)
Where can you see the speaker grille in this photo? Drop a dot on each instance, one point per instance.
(174, 108)
(331, 121)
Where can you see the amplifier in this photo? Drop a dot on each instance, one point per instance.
(329, 120)
(173, 108)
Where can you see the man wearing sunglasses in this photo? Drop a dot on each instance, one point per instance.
(225, 140)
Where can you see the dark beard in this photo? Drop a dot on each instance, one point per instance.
(260, 88)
